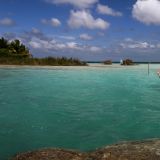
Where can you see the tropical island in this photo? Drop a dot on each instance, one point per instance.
(16, 53)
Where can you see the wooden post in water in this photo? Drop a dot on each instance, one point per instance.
(148, 68)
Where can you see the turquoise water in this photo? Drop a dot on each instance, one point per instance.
(76, 107)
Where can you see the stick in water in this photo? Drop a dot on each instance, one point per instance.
(158, 73)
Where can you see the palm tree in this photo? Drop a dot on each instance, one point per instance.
(3, 43)
(18, 48)
(15, 45)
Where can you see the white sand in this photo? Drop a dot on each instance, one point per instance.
(90, 65)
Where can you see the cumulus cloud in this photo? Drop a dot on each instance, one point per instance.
(95, 49)
(129, 43)
(53, 22)
(36, 43)
(76, 3)
(85, 36)
(67, 37)
(147, 11)
(34, 33)
(84, 18)
(140, 45)
(6, 22)
(52, 45)
(73, 45)
(104, 9)
(39, 42)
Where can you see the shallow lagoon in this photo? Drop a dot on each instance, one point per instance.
(76, 107)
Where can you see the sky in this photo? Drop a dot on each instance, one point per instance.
(90, 30)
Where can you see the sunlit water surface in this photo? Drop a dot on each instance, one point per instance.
(79, 108)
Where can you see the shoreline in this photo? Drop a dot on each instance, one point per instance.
(88, 66)
(91, 66)
(137, 150)
(69, 66)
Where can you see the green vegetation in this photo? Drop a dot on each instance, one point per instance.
(16, 53)
(127, 62)
(107, 62)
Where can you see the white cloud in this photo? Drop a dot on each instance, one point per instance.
(67, 37)
(147, 11)
(35, 44)
(6, 22)
(52, 45)
(83, 18)
(129, 43)
(104, 9)
(128, 39)
(60, 46)
(95, 49)
(72, 45)
(38, 42)
(53, 22)
(76, 3)
(35, 31)
(86, 37)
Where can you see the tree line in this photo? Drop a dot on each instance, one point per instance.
(16, 53)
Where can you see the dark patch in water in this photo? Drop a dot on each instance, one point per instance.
(155, 87)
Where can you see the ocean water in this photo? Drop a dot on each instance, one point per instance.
(81, 108)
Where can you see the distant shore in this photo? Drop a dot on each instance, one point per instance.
(66, 66)
(88, 64)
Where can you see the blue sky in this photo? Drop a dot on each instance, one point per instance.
(85, 29)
